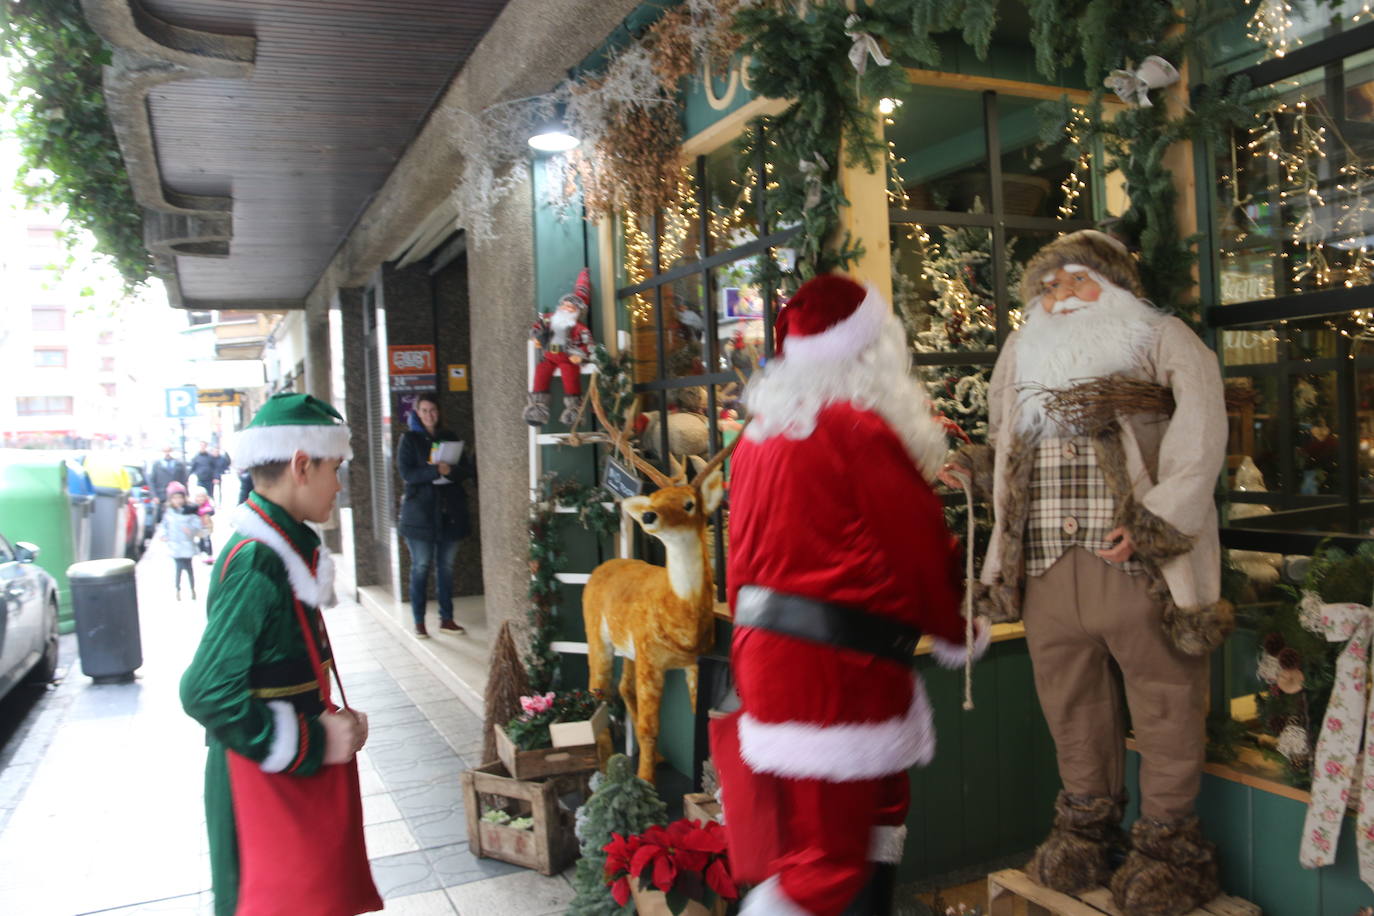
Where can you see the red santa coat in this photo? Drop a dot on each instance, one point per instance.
(842, 516)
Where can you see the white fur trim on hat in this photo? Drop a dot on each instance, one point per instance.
(286, 737)
(316, 590)
(886, 844)
(768, 900)
(844, 339)
(257, 445)
(952, 654)
(841, 753)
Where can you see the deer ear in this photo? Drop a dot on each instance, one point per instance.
(712, 491)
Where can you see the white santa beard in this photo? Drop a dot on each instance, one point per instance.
(1080, 341)
(561, 323)
(786, 396)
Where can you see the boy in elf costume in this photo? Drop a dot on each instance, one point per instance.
(282, 802)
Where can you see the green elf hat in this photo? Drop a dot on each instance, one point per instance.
(288, 423)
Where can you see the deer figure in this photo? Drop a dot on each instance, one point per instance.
(656, 617)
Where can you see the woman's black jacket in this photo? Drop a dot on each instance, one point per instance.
(429, 512)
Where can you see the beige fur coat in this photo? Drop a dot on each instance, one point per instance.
(1162, 471)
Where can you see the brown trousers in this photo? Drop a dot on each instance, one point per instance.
(1080, 615)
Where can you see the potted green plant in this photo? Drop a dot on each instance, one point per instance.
(683, 868)
(554, 733)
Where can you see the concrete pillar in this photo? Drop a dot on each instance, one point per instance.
(501, 284)
(366, 555)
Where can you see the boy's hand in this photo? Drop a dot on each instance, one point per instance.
(343, 735)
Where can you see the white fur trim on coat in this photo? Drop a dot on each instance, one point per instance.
(886, 845)
(316, 590)
(265, 444)
(844, 339)
(841, 753)
(952, 654)
(286, 737)
(768, 900)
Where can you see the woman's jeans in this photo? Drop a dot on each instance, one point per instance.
(422, 557)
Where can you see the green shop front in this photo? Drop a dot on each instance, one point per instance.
(969, 183)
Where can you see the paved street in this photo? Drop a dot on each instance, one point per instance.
(100, 786)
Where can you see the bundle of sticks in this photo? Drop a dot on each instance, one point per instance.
(1093, 405)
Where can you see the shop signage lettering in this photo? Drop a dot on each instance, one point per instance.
(620, 480)
(224, 397)
(410, 359)
(739, 76)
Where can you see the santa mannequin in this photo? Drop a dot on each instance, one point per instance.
(564, 342)
(1105, 543)
(839, 560)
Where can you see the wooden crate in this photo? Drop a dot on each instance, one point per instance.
(550, 846)
(700, 806)
(1012, 893)
(550, 761)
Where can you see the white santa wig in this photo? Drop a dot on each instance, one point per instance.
(835, 349)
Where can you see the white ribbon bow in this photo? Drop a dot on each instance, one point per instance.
(1346, 731)
(1133, 86)
(813, 171)
(865, 46)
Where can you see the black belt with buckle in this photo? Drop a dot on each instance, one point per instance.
(821, 622)
(555, 348)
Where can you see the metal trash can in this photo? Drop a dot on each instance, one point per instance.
(105, 602)
(108, 523)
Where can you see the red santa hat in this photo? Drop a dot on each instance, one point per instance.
(581, 295)
(830, 318)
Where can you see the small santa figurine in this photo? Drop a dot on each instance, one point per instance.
(565, 342)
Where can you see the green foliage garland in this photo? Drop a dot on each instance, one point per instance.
(546, 560)
(621, 803)
(71, 156)
(807, 60)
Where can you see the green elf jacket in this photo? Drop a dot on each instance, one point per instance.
(251, 683)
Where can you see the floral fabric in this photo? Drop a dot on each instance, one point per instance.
(1341, 768)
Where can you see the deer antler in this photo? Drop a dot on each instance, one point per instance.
(621, 440)
(718, 458)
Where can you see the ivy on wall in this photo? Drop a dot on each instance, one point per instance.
(71, 158)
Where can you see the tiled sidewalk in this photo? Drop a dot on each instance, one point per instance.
(110, 819)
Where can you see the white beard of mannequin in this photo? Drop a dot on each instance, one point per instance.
(561, 324)
(1080, 341)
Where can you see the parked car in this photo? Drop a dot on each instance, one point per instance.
(28, 627)
(144, 510)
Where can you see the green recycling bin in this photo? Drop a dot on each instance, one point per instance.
(35, 506)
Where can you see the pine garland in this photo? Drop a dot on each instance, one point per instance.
(546, 559)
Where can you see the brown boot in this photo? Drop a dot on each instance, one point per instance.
(1079, 852)
(1170, 870)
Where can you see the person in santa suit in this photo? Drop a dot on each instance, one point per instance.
(565, 342)
(839, 562)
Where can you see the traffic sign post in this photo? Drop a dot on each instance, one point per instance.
(181, 402)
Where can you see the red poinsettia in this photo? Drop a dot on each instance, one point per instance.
(686, 860)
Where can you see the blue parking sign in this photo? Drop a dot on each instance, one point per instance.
(181, 402)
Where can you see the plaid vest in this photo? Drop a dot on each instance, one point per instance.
(1070, 504)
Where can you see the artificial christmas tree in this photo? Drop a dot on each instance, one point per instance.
(621, 803)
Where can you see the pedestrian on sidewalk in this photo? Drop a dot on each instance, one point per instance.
(205, 508)
(434, 511)
(168, 470)
(282, 800)
(181, 529)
